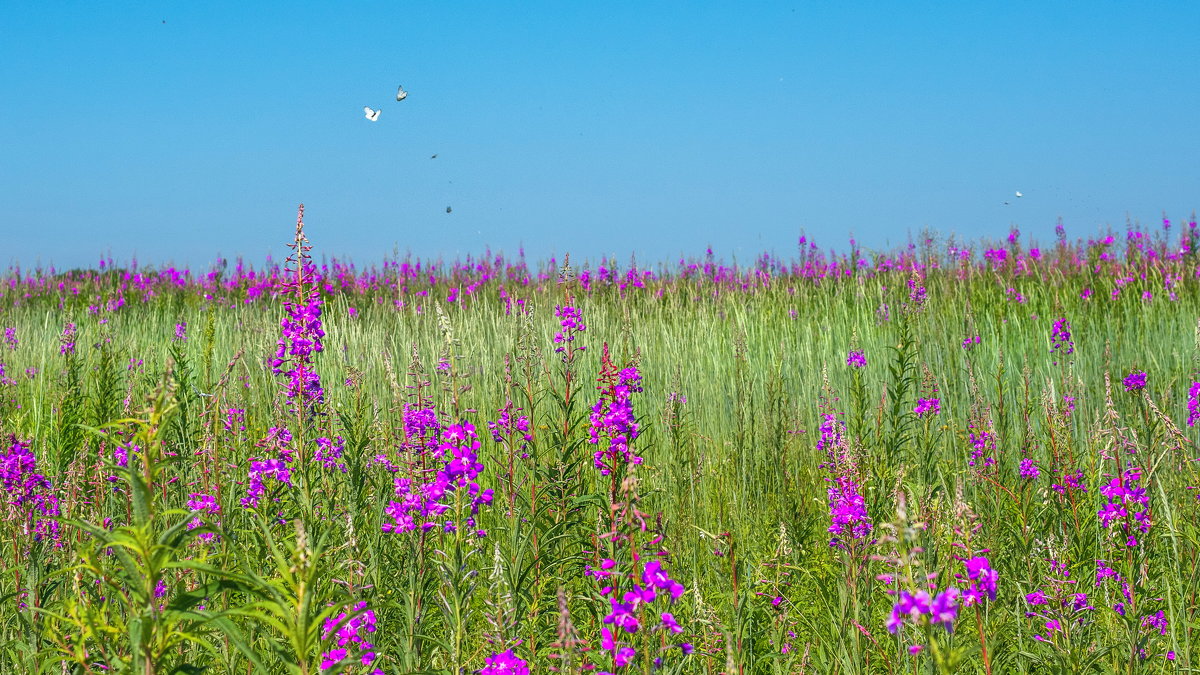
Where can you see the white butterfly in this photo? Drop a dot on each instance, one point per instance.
(401, 94)
(1019, 194)
(372, 115)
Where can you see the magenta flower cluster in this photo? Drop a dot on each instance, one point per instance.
(1128, 505)
(202, 503)
(1029, 470)
(1135, 381)
(613, 425)
(856, 359)
(425, 492)
(278, 468)
(329, 453)
(626, 608)
(67, 340)
(927, 406)
(981, 581)
(1060, 338)
(570, 327)
(300, 340)
(30, 492)
(504, 663)
(922, 607)
(847, 507)
(1193, 404)
(508, 426)
(1056, 602)
(983, 444)
(350, 634)
(1071, 482)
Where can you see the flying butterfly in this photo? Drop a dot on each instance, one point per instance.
(401, 94)
(372, 115)
(1019, 194)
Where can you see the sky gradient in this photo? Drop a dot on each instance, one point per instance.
(600, 128)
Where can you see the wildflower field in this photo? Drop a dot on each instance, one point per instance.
(973, 457)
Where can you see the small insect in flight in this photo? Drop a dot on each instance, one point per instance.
(1019, 194)
(372, 115)
(434, 156)
(401, 94)
(448, 209)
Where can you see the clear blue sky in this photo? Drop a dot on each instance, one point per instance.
(594, 128)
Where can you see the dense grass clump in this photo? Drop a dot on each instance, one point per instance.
(939, 459)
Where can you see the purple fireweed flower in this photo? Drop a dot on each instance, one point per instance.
(235, 420)
(450, 455)
(621, 615)
(970, 341)
(654, 575)
(1135, 381)
(121, 453)
(983, 444)
(504, 663)
(1155, 621)
(67, 340)
(1060, 338)
(613, 424)
(180, 332)
(1121, 492)
(847, 506)
(301, 329)
(847, 510)
(831, 433)
(349, 635)
(1029, 470)
(1071, 481)
(10, 338)
(856, 359)
(570, 326)
(1193, 404)
(916, 292)
(982, 580)
(669, 623)
(29, 493)
(911, 606)
(279, 440)
(927, 406)
(944, 609)
(329, 453)
(202, 503)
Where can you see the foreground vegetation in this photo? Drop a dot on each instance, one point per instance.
(946, 458)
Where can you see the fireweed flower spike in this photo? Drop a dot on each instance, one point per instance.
(67, 341)
(504, 663)
(847, 507)
(1193, 404)
(425, 497)
(1135, 381)
(613, 425)
(28, 492)
(927, 406)
(1060, 338)
(856, 359)
(204, 504)
(301, 328)
(349, 635)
